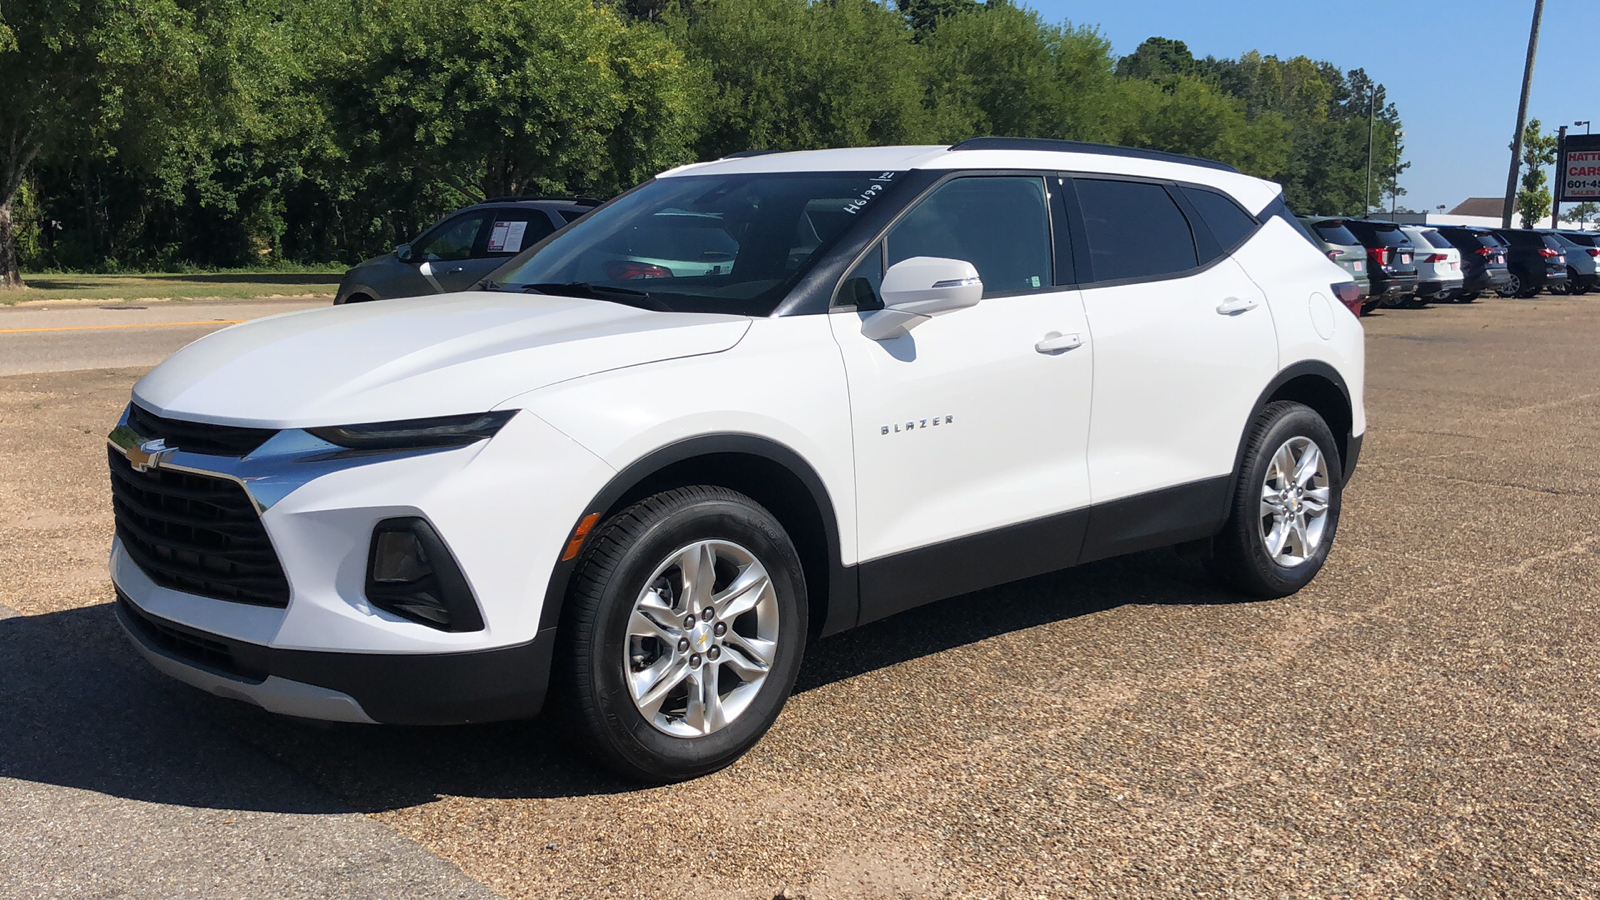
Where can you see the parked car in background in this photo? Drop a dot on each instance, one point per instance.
(1583, 263)
(1342, 247)
(1390, 264)
(461, 249)
(1438, 264)
(1537, 262)
(1483, 260)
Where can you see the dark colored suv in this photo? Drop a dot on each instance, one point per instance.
(1390, 265)
(461, 249)
(1483, 260)
(1537, 261)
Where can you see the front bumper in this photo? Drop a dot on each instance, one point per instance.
(393, 689)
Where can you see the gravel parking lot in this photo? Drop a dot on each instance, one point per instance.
(1422, 721)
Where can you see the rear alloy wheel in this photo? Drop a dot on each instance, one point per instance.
(682, 635)
(1285, 506)
(1512, 287)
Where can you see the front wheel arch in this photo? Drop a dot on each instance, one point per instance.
(768, 472)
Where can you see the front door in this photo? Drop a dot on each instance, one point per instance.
(970, 430)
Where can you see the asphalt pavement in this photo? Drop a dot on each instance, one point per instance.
(68, 337)
(1421, 721)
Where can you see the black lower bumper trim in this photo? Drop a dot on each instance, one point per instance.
(392, 688)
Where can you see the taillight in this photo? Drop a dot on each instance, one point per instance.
(1595, 253)
(626, 269)
(1380, 255)
(1546, 252)
(1486, 251)
(1435, 258)
(1349, 294)
(1333, 255)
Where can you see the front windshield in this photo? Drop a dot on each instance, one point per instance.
(700, 243)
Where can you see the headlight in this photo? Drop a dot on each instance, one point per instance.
(444, 431)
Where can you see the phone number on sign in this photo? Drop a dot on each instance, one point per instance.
(1586, 186)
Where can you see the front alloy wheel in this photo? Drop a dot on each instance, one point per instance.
(702, 639)
(682, 634)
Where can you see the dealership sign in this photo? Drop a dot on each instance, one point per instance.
(1579, 171)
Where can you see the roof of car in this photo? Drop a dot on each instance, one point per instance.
(558, 202)
(1000, 153)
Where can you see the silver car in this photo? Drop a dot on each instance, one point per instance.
(1583, 261)
(462, 249)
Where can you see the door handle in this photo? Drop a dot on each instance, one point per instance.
(1236, 305)
(1056, 342)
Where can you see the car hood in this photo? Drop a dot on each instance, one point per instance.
(414, 358)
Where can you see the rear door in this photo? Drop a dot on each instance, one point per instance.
(1184, 344)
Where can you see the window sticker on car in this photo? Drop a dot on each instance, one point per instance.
(507, 237)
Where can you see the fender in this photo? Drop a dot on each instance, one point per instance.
(842, 593)
(1350, 445)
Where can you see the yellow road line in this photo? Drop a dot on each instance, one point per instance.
(124, 325)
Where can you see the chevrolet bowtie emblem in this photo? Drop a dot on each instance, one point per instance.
(142, 454)
(149, 455)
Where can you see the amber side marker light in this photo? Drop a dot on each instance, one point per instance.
(576, 544)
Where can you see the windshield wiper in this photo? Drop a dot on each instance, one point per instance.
(625, 296)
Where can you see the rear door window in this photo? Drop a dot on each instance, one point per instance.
(512, 231)
(1437, 240)
(1229, 224)
(999, 223)
(1134, 230)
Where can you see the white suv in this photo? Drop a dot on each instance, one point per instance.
(748, 404)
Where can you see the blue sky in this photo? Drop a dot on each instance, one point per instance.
(1454, 68)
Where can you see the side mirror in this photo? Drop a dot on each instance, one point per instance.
(917, 289)
(403, 253)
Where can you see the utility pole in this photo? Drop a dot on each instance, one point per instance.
(1522, 114)
(1394, 186)
(1372, 102)
(1555, 193)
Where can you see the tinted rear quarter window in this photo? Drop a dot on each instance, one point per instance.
(1335, 232)
(1229, 224)
(1134, 230)
(1374, 235)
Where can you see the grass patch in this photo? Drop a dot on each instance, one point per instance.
(239, 284)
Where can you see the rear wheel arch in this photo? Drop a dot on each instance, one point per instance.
(767, 472)
(1317, 385)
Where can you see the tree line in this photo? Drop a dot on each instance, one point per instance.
(154, 134)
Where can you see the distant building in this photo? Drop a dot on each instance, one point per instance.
(1483, 211)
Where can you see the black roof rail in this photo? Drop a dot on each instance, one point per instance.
(575, 201)
(746, 154)
(1014, 143)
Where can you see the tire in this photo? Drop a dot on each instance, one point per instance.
(1563, 288)
(1512, 287)
(1467, 297)
(625, 633)
(1242, 555)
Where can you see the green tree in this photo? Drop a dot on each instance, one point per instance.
(1583, 213)
(793, 75)
(1002, 70)
(1538, 152)
(1158, 57)
(924, 16)
(507, 98)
